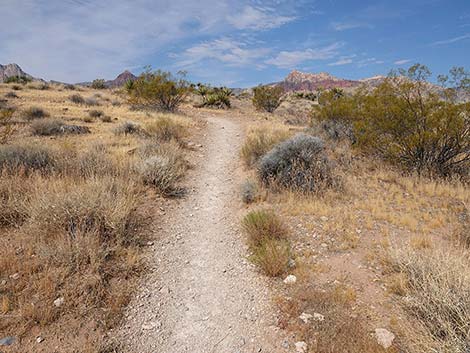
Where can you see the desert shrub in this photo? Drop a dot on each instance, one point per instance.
(115, 103)
(436, 298)
(299, 163)
(405, 122)
(267, 98)
(163, 166)
(70, 87)
(77, 99)
(33, 113)
(7, 127)
(41, 86)
(18, 79)
(95, 113)
(98, 84)
(51, 127)
(16, 87)
(262, 225)
(160, 90)
(11, 94)
(128, 128)
(272, 257)
(217, 97)
(165, 128)
(260, 140)
(306, 95)
(26, 158)
(249, 191)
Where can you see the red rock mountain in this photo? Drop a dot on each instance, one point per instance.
(301, 81)
(121, 79)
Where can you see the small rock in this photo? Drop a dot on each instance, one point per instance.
(301, 347)
(7, 341)
(318, 317)
(384, 337)
(150, 243)
(3, 283)
(39, 339)
(59, 301)
(305, 317)
(324, 218)
(151, 325)
(15, 276)
(291, 279)
(291, 263)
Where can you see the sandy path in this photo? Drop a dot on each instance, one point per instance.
(203, 295)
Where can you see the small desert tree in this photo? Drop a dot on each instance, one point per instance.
(99, 83)
(160, 90)
(267, 98)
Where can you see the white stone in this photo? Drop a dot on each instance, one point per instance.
(15, 276)
(59, 301)
(384, 337)
(301, 347)
(291, 279)
(305, 317)
(39, 339)
(318, 317)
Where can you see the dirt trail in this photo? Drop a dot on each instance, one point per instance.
(203, 295)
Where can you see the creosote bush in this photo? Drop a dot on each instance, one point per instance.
(299, 163)
(267, 98)
(267, 238)
(406, 123)
(159, 90)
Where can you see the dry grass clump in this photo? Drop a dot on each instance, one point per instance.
(33, 113)
(11, 94)
(267, 238)
(77, 99)
(95, 113)
(92, 101)
(51, 127)
(260, 140)
(26, 158)
(436, 296)
(299, 163)
(339, 327)
(13, 198)
(162, 166)
(128, 128)
(166, 128)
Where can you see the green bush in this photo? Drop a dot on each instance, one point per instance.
(159, 90)
(267, 98)
(18, 79)
(404, 121)
(98, 84)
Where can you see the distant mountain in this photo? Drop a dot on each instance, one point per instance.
(121, 79)
(302, 81)
(12, 70)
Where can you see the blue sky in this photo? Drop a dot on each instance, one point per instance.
(234, 43)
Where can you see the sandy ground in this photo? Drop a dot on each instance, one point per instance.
(203, 295)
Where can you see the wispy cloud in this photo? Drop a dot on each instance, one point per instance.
(344, 26)
(402, 62)
(344, 60)
(225, 50)
(291, 59)
(369, 61)
(451, 40)
(258, 18)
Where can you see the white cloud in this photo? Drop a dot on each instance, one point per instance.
(402, 62)
(344, 60)
(225, 50)
(452, 40)
(344, 26)
(369, 61)
(257, 18)
(291, 59)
